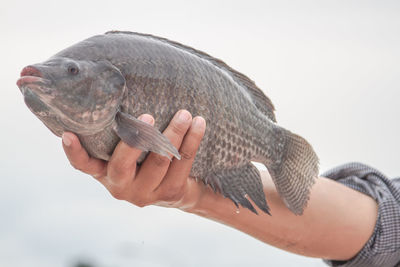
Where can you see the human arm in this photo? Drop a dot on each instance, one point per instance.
(336, 224)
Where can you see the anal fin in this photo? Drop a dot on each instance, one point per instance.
(238, 184)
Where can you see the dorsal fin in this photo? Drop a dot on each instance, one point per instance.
(262, 102)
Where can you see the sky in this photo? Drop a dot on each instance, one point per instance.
(331, 69)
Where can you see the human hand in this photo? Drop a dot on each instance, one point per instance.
(158, 180)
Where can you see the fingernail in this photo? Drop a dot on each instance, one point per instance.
(199, 122)
(66, 139)
(146, 118)
(183, 116)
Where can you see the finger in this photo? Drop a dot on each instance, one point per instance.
(155, 166)
(122, 165)
(173, 185)
(79, 158)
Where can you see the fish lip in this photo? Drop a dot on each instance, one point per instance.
(31, 70)
(33, 83)
(26, 80)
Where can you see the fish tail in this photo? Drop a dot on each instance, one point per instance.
(294, 171)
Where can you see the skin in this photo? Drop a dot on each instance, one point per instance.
(336, 224)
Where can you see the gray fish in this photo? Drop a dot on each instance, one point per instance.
(97, 88)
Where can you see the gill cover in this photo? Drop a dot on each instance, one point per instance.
(85, 95)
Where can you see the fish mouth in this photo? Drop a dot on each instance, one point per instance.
(27, 80)
(31, 78)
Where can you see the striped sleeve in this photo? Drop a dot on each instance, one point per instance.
(383, 248)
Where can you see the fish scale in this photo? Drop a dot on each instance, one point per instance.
(123, 75)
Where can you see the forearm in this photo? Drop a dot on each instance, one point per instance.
(336, 224)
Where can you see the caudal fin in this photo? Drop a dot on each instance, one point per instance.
(295, 173)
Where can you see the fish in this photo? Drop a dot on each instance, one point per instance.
(98, 87)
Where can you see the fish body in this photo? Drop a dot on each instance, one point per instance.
(98, 87)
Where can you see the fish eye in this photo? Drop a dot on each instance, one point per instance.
(72, 69)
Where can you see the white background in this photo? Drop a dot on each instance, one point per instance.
(332, 69)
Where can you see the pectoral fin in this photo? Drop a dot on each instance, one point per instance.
(143, 136)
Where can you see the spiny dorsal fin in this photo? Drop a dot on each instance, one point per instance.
(262, 102)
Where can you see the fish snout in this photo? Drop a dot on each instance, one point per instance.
(30, 75)
(31, 71)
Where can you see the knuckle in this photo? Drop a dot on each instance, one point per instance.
(117, 189)
(119, 168)
(197, 134)
(77, 166)
(187, 155)
(117, 193)
(140, 200)
(140, 203)
(115, 173)
(161, 161)
(97, 175)
(178, 128)
(173, 193)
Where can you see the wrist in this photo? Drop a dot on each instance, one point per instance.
(191, 199)
(204, 202)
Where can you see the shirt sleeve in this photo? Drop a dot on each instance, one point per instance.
(383, 248)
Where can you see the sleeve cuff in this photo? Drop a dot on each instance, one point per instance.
(383, 248)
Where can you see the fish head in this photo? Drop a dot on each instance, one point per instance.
(83, 96)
